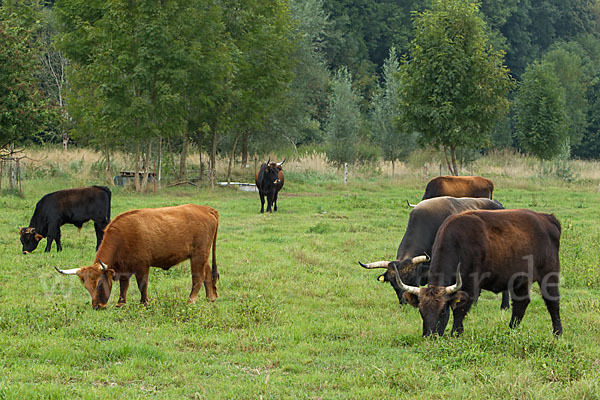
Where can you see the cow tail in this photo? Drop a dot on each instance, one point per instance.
(215, 271)
(491, 187)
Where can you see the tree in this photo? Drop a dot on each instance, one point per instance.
(24, 110)
(394, 142)
(569, 70)
(345, 120)
(454, 85)
(540, 112)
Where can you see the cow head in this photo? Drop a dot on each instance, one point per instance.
(434, 302)
(97, 279)
(408, 271)
(30, 239)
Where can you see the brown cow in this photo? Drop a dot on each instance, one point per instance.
(492, 250)
(459, 186)
(159, 237)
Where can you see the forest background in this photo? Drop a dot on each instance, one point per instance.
(357, 81)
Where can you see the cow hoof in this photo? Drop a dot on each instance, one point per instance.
(119, 305)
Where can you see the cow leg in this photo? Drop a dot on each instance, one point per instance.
(269, 201)
(505, 305)
(142, 281)
(124, 285)
(199, 265)
(99, 227)
(53, 234)
(275, 201)
(458, 315)
(549, 289)
(262, 201)
(520, 301)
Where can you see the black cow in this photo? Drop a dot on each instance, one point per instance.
(70, 206)
(269, 181)
(423, 224)
(490, 250)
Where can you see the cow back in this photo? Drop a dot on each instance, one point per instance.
(159, 237)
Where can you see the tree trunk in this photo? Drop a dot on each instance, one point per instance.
(447, 160)
(11, 171)
(213, 156)
(237, 137)
(107, 155)
(137, 166)
(159, 162)
(245, 149)
(201, 166)
(392, 168)
(146, 166)
(183, 159)
(453, 157)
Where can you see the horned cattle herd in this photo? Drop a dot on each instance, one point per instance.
(458, 242)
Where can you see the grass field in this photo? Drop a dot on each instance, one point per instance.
(296, 316)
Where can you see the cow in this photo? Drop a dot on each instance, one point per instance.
(269, 181)
(490, 250)
(459, 186)
(69, 206)
(153, 237)
(423, 224)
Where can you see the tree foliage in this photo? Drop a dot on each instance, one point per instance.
(395, 142)
(454, 85)
(541, 119)
(24, 110)
(345, 120)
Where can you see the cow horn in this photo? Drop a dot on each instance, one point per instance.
(420, 259)
(410, 289)
(103, 266)
(373, 265)
(269, 160)
(281, 163)
(456, 287)
(68, 271)
(410, 205)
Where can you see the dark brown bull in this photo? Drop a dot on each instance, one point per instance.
(423, 224)
(459, 186)
(153, 237)
(269, 181)
(490, 250)
(69, 206)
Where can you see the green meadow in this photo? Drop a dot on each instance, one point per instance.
(296, 316)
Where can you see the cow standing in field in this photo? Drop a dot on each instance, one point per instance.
(153, 237)
(490, 250)
(269, 181)
(423, 224)
(70, 206)
(459, 186)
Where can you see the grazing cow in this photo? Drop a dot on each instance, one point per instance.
(423, 224)
(490, 250)
(70, 206)
(159, 237)
(269, 181)
(459, 186)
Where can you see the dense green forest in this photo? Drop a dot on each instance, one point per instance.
(360, 80)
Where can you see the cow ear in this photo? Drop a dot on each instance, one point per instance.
(411, 299)
(458, 297)
(38, 237)
(111, 273)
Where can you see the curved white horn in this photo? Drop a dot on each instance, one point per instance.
(102, 265)
(373, 265)
(281, 163)
(410, 205)
(456, 287)
(420, 259)
(68, 271)
(406, 288)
